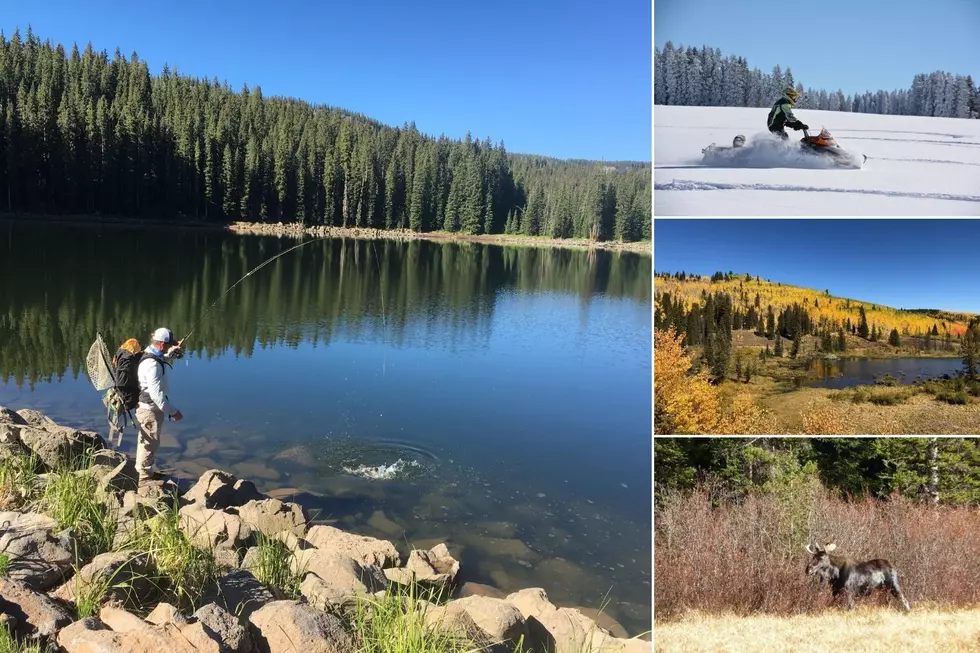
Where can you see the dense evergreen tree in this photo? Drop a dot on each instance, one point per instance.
(971, 350)
(778, 350)
(691, 76)
(893, 338)
(86, 133)
(862, 329)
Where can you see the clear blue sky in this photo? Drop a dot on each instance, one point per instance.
(564, 78)
(900, 263)
(854, 45)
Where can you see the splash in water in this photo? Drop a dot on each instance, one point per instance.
(382, 472)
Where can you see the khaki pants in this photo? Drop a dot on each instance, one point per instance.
(150, 422)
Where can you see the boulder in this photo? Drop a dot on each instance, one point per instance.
(115, 473)
(449, 619)
(564, 630)
(35, 418)
(234, 637)
(213, 529)
(34, 614)
(40, 555)
(93, 635)
(499, 618)
(57, 445)
(342, 577)
(126, 575)
(365, 550)
(435, 569)
(165, 613)
(121, 621)
(240, 593)
(220, 490)
(8, 416)
(271, 517)
(290, 626)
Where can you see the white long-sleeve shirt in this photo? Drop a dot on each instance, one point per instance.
(155, 383)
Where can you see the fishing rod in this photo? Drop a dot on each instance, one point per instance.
(265, 263)
(247, 275)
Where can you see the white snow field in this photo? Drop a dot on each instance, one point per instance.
(916, 165)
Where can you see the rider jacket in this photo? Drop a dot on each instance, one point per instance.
(781, 116)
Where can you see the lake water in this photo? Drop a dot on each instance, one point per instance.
(850, 372)
(507, 390)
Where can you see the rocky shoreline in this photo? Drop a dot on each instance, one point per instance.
(91, 561)
(296, 230)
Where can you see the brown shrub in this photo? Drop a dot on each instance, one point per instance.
(715, 555)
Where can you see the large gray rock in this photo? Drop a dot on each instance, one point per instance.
(8, 416)
(564, 630)
(220, 490)
(127, 575)
(240, 593)
(99, 635)
(35, 418)
(35, 613)
(291, 626)
(435, 569)
(58, 446)
(499, 618)
(214, 529)
(343, 577)
(165, 613)
(271, 517)
(235, 637)
(40, 555)
(115, 473)
(365, 550)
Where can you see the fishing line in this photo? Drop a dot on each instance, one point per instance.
(247, 275)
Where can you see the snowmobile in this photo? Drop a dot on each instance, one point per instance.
(825, 144)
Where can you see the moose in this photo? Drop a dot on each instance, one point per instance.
(853, 578)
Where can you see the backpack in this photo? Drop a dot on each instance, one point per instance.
(125, 363)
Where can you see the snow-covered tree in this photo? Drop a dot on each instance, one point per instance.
(692, 76)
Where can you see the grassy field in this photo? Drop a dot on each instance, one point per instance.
(778, 385)
(866, 630)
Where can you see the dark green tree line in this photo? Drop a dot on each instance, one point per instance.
(82, 134)
(921, 468)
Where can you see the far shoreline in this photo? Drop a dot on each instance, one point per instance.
(298, 230)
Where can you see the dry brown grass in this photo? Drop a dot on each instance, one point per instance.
(866, 630)
(811, 411)
(747, 557)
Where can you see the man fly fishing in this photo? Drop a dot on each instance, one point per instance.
(154, 401)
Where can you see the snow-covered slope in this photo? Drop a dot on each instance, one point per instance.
(916, 166)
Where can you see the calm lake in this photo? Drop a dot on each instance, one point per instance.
(849, 372)
(506, 391)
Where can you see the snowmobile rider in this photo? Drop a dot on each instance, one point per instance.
(782, 116)
(153, 401)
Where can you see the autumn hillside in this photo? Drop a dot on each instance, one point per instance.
(752, 295)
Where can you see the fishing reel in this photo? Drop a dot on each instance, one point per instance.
(177, 353)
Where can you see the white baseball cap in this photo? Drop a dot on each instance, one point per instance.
(164, 335)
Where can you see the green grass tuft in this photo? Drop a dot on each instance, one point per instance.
(274, 567)
(9, 644)
(71, 499)
(184, 569)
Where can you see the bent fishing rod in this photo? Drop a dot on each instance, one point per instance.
(262, 265)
